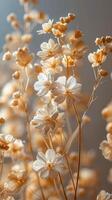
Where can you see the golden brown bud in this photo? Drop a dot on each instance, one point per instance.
(103, 72)
(16, 75)
(7, 56)
(2, 120)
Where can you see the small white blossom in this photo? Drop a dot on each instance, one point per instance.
(52, 65)
(97, 58)
(46, 27)
(49, 163)
(106, 147)
(66, 88)
(104, 196)
(48, 49)
(46, 117)
(43, 85)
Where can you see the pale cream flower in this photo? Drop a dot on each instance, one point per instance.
(97, 58)
(48, 49)
(44, 84)
(46, 27)
(49, 163)
(106, 147)
(66, 88)
(47, 117)
(104, 196)
(52, 65)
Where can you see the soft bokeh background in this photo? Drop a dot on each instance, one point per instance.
(94, 19)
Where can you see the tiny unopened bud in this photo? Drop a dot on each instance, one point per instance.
(72, 16)
(16, 75)
(7, 56)
(11, 17)
(15, 24)
(78, 34)
(27, 18)
(38, 68)
(16, 95)
(14, 102)
(2, 120)
(103, 72)
(109, 127)
(26, 38)
(56, 33)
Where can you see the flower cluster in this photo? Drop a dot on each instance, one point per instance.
(43, 109)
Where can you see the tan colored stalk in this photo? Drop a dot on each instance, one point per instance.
(79, 121)
(2, 165)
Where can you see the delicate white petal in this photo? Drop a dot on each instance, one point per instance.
(38, 86)
(71, 82)
(44, 46)
(38, 164)
(44, 173)
(50, 155)
(43, 91)
(61, 80)
(41, 155)
(42, 77)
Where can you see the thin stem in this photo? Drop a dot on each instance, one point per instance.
(70, 171)
(29, 134)
(69, 168)
(79, 149)
(2, 165)
(65, 196)
(42, 193)
(57, 189)
(27, 77)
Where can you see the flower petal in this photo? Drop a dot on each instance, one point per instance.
(50, 155)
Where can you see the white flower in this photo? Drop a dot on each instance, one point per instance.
(52, 65)
(104, 196)
(97, 58)
(66, 88)
(7, 138)
(49, 163)
(43, 85)
(48, 49)
(46, 117)
(46, 27)
(106, 147)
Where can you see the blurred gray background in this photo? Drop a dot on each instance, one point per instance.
(94, 19)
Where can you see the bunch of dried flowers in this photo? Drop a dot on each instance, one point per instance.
(43, 111)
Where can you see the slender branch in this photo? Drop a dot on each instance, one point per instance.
(79, 121)
(65, 196)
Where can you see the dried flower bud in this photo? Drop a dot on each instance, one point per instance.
(78, 34)
(16, 75)
(16, 95)
(38, 68)
(2, 120)
(15, 24)
(109, 127)
(11, 17)
(7, 56)
(107, 112)
(26, 38)
(28, 18)
(103, 72)
(23, 58)
(56, 33)
(62, 27)
(14, 102)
